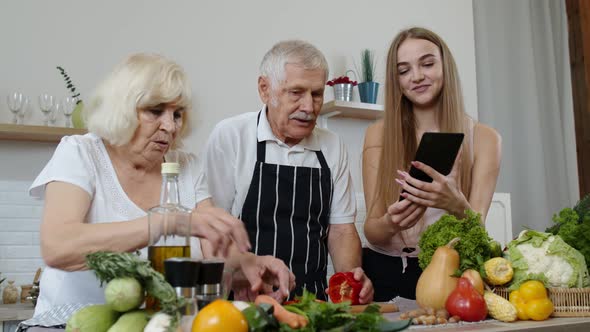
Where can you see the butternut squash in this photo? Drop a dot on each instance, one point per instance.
(436, 283)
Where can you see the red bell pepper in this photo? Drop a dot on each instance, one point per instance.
(343, 287)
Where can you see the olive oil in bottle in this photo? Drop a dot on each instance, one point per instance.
(169, 225)
(158, 254)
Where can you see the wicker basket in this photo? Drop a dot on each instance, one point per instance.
(568, 302)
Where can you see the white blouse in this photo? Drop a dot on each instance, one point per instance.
(83, 161)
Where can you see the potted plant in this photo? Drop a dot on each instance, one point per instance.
(368, 88)
(342, 87)
(77, 119)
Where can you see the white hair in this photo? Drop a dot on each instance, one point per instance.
(286, 52)
(141, 81)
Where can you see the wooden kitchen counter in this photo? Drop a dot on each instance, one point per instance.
(19, 311)
(581, 324)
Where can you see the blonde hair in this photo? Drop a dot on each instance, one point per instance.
(399, 125)
(141, 81)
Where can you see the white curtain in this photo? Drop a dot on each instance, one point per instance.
(524, 91)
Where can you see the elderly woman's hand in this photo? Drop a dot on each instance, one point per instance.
(219, 228)
(262, 275)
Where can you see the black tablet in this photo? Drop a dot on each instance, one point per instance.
(437, 150)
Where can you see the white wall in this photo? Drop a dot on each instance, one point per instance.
(220, 44)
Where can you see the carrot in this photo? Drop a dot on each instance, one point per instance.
(292, 319)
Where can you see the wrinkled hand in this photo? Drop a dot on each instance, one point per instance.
(404, 214)
(443, 192)
(367, 292)
(262, 275)
(219, 228)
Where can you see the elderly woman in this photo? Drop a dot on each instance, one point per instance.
(98, 187)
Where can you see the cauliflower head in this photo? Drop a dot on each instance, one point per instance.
(546, 257)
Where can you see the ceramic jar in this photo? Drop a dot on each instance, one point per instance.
(10, 294)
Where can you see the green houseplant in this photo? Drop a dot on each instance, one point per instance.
(368, 88)
(77, 119)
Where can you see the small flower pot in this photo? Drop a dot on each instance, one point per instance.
(368, 92)
(343, 91)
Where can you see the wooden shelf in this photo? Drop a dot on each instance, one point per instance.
(12, 132)
(349, 109)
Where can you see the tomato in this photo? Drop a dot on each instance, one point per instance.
(466, 302)
(218, 316)
(343, 287)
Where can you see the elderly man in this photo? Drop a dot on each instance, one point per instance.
(286, 179)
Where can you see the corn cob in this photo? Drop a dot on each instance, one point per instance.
(498, 270)
(499, 308)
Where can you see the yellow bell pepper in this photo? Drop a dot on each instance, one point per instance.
(531, 301)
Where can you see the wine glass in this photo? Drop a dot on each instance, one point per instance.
(23, 111)
(57, 108)
(69, 106)
(46, 105)
(15, 103)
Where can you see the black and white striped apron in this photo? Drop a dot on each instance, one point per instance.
(286, 214)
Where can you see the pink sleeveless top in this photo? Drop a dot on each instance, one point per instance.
(409, 238)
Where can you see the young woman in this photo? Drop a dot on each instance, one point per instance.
(423, 94)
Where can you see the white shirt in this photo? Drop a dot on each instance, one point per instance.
(83, 161)
(230, 156)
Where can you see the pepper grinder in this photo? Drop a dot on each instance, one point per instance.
(182, 274)
(209, 286)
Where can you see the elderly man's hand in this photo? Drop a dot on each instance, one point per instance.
(263, 275)
(219, 228)
(366, 294)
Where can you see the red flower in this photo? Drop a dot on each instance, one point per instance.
(341, 80)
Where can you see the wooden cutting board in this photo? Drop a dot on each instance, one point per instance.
(383, 307)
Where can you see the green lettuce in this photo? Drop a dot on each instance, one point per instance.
(474, 248)
(546, 257)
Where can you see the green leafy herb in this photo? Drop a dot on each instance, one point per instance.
(335, 317)
(260, 318)
(70, 85)
(475, 245)
(111, 265)
(573, 226)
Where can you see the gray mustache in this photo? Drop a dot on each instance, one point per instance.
(302, 116)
